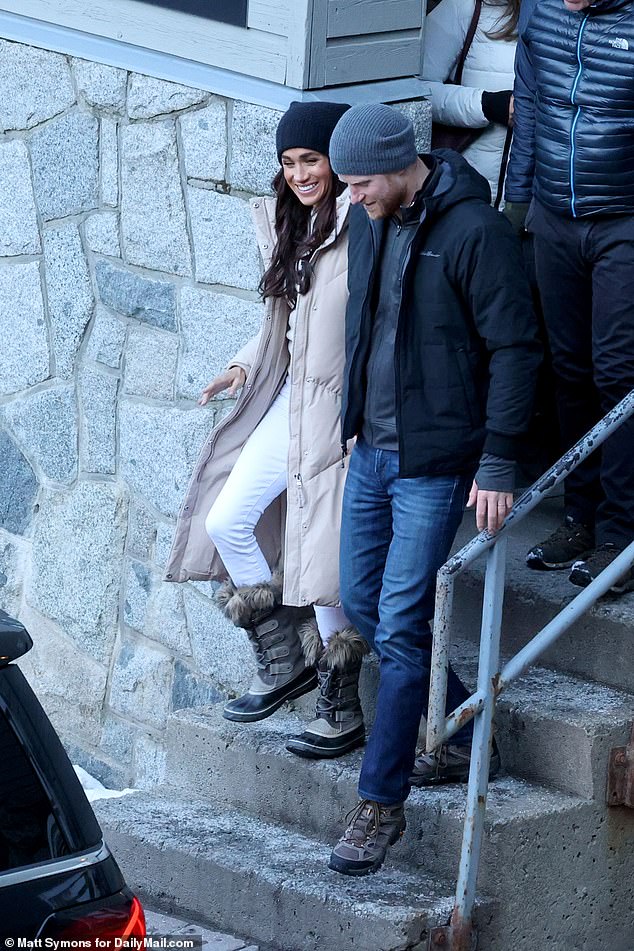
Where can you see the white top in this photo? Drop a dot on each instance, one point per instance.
(489, 67)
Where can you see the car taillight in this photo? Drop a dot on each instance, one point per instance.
(119, 917)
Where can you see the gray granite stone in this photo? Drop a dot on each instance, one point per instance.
(141, 683)
(138, 588)
(18, 488)
(419, 112)
(109, 774)
(134, 296)
(158, 446)
(225, 249)
(101, 233)
(204, 138)
(141, 531)
(148, 97)
(44, 83)
(165, 619)
(77, 553)
(150, 363)
(253, 163)
(25, 354)
(45, 424)
(65, 160)
(14, 558)
(150, 760)
(153, 219)
(98, 427)
(164, 539)
(18, 222)
(101, 86)
(190, 690)
(214, 327)
(117, 738)
(109, 162)
(107, 338)
(70, 684)
(222, 653)
(70, 297)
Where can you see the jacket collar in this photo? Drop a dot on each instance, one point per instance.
(263, 212)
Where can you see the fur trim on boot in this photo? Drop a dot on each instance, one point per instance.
(345, 649)
(312, 644)
(246, 602)
(338, 726)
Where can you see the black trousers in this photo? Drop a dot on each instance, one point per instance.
(585, 273)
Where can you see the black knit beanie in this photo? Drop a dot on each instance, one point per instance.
(308, 125)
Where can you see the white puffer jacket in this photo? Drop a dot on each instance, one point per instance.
(488, 67)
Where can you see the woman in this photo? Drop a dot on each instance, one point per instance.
(281, 444)
(484, 98)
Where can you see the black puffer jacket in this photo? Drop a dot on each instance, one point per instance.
(466, 350)
(573, 145)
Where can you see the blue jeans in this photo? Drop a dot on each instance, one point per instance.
(395, 535)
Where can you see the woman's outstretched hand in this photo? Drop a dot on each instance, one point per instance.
(231, 380)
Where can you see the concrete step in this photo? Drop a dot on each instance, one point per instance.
(238, 873)
(552, 728)
(247, 767)
(234, 872)
(598, 647)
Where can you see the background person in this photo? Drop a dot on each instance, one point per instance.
(279, 444)
(573, 158)
(483, 99)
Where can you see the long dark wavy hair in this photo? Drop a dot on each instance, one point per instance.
(508, 21)
(290, 272)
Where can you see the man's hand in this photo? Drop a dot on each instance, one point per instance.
(231, 381)
(491, 507)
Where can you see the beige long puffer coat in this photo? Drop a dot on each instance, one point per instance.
(308, 531)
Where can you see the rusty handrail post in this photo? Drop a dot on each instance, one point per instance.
(440, 659)
(488, 667)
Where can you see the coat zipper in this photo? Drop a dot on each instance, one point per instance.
(573, 197)
(344, 447)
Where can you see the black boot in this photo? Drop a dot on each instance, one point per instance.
(338, 727)
(271, 627)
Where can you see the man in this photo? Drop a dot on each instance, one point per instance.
(573, 157)
(441, 353)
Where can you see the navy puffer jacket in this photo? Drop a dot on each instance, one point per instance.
(573, 143)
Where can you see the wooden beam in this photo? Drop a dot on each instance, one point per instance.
(373, 57)
(357, 17)
(252, 52)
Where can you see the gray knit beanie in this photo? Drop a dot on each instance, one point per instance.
(372, 139)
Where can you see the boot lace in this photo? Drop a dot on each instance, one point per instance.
(364, 822)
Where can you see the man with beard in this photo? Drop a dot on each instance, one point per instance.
(441, 355)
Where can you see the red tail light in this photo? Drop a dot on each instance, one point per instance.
(118, 917)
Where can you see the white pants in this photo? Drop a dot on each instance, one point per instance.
(257, 478)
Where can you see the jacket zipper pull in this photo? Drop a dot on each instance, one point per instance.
(300, 490)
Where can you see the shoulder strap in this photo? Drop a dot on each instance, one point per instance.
(473, 26)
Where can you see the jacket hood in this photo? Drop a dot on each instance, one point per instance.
(456, 181)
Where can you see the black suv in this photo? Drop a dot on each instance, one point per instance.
(57, 877)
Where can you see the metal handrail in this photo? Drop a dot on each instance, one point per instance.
(460, 933)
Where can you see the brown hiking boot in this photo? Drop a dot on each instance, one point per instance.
(338, 726)
(271, 627)
(372, 828)
(449, 764)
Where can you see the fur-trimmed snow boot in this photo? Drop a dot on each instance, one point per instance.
(338, 727)
(271, 627)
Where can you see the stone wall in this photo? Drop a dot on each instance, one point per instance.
(128, 276)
